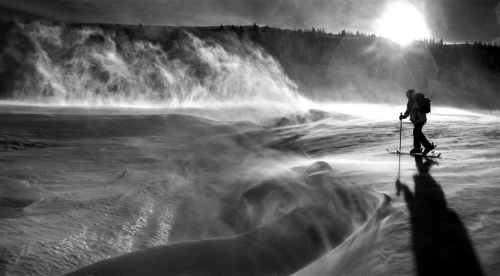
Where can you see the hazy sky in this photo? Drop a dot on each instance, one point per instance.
(452, 20)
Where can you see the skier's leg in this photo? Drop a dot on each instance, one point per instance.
(417, 130)
(427, 145)
(424, 141)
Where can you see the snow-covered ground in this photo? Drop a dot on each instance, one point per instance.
(78, 186)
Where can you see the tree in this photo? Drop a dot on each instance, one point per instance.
(255, 28)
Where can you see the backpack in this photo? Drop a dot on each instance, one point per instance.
(426, 107)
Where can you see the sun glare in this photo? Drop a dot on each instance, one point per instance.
(402, 23)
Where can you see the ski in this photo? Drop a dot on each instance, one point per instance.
(434, 155)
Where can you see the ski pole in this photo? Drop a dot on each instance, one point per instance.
(400, 130)
(398, 187)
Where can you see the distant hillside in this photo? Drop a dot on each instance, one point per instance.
(325, 66)
(357, 66)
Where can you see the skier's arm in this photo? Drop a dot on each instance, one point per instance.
(409, 107)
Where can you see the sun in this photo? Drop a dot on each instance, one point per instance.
(402, 23)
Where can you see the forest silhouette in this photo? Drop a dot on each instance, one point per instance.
(464, 75)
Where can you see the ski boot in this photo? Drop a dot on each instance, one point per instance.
(415, 150)
(429, 149)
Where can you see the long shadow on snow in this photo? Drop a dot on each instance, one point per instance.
(440, 240)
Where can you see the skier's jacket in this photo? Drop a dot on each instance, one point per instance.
(412, 108)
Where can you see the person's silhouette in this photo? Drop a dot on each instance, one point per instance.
(440, 240)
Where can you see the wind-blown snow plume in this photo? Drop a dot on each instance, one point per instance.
(91, 66)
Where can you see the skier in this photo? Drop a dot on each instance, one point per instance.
(415, 101)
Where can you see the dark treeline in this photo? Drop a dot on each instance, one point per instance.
(343, 66)
(358, 66)
(363, 67)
